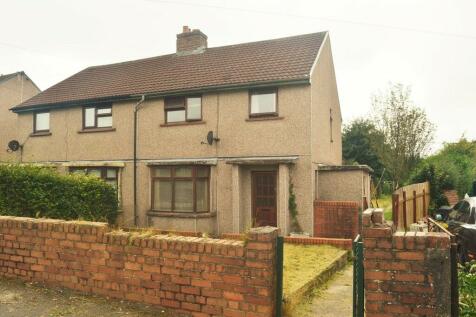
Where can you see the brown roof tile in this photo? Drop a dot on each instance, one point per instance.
(285, 59)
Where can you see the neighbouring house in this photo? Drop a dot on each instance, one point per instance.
(204, 139)
(14, 89)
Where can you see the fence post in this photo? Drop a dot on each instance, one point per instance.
(358, 283)
(395, 198)
(279, 275)
(404, 210)
(454, 278)
(414, 207)
(424, 203)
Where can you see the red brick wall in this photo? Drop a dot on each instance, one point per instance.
(406, 273)
(336, 219)
(336, 242)
(193, 276)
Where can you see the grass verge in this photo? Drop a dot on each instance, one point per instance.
(303, 262)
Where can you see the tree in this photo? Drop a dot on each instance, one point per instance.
(453, 167)
(360, 139)
(406, 130)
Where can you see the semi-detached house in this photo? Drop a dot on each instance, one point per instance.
(204, 139)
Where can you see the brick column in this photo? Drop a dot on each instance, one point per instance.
(406, 273)
(260, 254)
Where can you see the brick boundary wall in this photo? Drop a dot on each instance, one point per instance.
(345, 244)
(336, 219)
(191, 276)
(406, 273)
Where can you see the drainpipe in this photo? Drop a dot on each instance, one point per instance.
(136, 109)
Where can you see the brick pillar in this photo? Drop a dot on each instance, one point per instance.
(260, 254)
(406, 273)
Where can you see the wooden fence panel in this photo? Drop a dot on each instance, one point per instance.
(410, 204)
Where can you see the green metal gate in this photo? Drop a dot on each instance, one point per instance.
(358, 285)
(279, 275)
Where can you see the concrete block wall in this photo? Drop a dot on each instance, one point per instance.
(406, 273)
(192, 276)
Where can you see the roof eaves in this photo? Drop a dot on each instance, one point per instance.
(73, 103)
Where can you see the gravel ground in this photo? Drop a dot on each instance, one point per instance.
(19, 299)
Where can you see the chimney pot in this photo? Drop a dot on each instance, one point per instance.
(186, 29)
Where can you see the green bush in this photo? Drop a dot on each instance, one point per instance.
(467, 289)
(440, 179)
(38, 192)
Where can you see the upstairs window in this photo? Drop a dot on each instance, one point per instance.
(263, 102)
(97, 117)
(183, 109)
(41, 122)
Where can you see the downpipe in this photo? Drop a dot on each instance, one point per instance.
(136, 110)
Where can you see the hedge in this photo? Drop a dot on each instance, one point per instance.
(39, 192)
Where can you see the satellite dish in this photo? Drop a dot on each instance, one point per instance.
(211, 138)
(14, 145)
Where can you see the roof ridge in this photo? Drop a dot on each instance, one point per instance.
(5, 76)
(208, 49)
(279, 61)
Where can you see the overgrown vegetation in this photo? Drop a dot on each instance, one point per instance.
(32, 191)
(295, 226)
(467, 289)
(303, 262)
(453, 167)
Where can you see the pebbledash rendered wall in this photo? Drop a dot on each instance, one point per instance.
(191, 276)
(406, 273)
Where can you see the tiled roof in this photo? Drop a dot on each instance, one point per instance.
(279, 60)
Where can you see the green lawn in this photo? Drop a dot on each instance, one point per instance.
(303, 262)
(385, 202)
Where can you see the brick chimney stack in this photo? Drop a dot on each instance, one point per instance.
(191, 41)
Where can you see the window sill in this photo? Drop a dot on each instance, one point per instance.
(182, 123)
(165, 214)
(94, 130)
(35, 134)
(264, 118)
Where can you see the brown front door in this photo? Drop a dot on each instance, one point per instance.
(264, 198)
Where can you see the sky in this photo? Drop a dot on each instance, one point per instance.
(429, 45)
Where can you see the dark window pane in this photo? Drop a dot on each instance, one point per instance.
(162, 195)
(162, 172)
(202, 172)
(175, 103)
(111, 173)
(183, 196)
(201, 187)
(183, 171)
